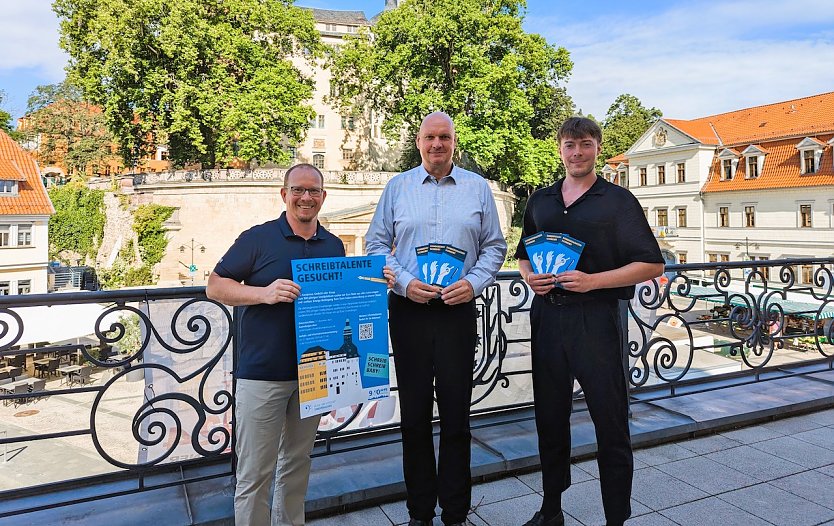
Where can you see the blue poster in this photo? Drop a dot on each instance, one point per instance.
(341, 332)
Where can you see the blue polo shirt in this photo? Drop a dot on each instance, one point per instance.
(259, 256)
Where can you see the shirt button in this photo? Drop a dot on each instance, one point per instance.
(566, 211)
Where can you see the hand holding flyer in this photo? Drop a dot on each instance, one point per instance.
(440, 264)
(552, 253)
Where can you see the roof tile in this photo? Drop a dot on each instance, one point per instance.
(17, 164)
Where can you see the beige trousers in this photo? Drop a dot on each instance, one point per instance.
(273, 445)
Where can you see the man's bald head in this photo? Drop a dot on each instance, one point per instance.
(437, 116)
(436, 142)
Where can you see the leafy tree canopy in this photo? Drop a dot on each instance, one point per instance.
(69, 131)
(210, 78)
(627, 119)
(5, 117)
(473, 60)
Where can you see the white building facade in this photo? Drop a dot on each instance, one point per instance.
(24, 218)
(755, 184)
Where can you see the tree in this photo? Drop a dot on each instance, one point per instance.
(5, 117)
(473, 60)
(212, 79)
(67, 129)
(627, 119)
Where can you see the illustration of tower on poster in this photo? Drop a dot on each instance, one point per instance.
(324, 374)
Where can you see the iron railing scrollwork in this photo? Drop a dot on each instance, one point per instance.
(747, 316)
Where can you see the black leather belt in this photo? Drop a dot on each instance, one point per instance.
(555, 298)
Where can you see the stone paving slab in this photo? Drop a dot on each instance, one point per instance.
(711, 512)
(778, 506)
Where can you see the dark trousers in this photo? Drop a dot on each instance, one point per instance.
(582, 341)
(434, 347)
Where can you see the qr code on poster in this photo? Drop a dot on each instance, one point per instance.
(366, 331)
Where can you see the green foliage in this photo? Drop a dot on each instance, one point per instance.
(68, 129)
(473, 60)
(147, 223)
(513, 236)
(627, 119)
(132, 338)
(78, 224)
(5, 117)
(211, 79)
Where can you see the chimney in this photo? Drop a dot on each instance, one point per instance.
(390, 4)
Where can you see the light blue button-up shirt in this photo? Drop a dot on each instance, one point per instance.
(416, 209)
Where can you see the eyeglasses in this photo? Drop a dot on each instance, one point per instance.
(298, 191)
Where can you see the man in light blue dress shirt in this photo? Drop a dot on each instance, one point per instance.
(433, 329)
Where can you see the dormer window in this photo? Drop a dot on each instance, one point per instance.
(810, 152)
(754, 159)
(8, 187)
(729, 164)
(622, 172)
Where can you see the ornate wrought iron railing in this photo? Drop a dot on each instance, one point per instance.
(697, 323)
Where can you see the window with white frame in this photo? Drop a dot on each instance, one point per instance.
(318, 160)
(5, 235)
(8, 187)
(809, 164)
(662, 217)
(5, 288)
(347, 154)
(724, 216)
(810, 152)
(726, 170)
(753, 167)
(753, 159)
(24, 286)
(729, 164)
(646, 213)
(805, 213)
(682, 258)
(643, 176)
(682, 217)
(661, 174)
(331, 27)
(750, 216)
(24, 235)
(320, 122)
(351, 29)
(623, 178)
(681, 172)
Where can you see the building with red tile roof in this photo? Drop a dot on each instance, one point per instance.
(755, 183)
(24, 216)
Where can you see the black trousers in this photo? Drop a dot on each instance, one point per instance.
(582, 341)
(434, 347)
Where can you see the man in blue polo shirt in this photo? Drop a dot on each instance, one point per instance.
(255, 273)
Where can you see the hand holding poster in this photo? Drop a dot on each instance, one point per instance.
(341, 330)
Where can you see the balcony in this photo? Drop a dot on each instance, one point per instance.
(149, 430)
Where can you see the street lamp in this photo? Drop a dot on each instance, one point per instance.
(747, 245)
(192, 268)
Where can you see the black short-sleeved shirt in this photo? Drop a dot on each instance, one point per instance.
(608, 218)
(258, 257)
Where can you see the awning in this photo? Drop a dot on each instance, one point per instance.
(807, 308)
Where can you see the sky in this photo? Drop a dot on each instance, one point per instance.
(689, 58)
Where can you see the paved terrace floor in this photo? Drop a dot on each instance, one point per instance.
(740, 454)
(777, 473)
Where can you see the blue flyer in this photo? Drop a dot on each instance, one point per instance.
(341, 332)
(439, 264)
(552, 253)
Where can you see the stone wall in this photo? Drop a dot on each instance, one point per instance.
(215, 206)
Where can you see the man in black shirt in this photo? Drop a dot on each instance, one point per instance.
(255, 273)
(575, 320)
